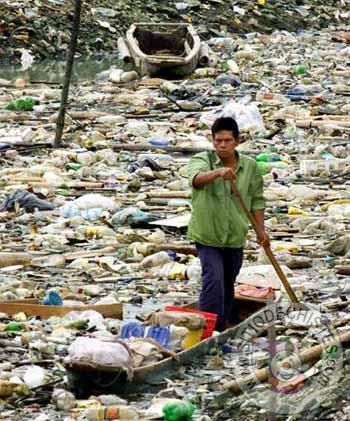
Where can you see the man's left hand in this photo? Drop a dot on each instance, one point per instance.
(264, 239)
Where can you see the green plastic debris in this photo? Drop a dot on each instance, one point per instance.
(301, 70)
(22, 104)
(73, 166)
(13, 327)
(178, 411)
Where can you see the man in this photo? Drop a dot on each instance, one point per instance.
(218, 224)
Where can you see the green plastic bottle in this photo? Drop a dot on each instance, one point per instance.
(13, 327)
(266, 167)
(22, 104)
(301, 69)
(268, 157)
(178, 411)
(73, 166)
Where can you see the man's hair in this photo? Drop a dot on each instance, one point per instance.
(225, 123)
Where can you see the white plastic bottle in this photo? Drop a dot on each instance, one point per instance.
(156, 259)
(194, 271)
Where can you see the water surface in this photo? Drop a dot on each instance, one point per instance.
(52, 71)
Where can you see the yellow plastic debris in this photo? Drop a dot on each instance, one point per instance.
(192, 338)
(292, 211)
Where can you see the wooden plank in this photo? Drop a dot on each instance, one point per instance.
(114, 311)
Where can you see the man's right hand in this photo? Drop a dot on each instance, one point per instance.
(205, 178)
(226, 174)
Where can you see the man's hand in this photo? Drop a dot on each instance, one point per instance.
(264, 239)
(226, 173)
(205, 178)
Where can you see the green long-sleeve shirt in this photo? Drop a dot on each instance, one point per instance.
(217, 219)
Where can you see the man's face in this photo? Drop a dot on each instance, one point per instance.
(225, 143)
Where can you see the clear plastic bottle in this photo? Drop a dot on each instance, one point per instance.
(63, 399)
(271, 98)
(114, 412)
(156, 259)
(111, 182)
(194, 271)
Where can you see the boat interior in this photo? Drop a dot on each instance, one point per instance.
(176, 42)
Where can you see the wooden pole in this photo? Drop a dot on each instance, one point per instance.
(309, 355)
(68, 74)
(267, 249)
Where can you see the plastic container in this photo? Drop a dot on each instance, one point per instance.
(192, 338)
(210, 319)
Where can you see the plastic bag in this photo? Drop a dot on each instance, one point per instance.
(247, 116)
(94, 319)
(93, 201)
(101, 354)
(34, 376)
(127, 216)
(145, 352)
(263, 276)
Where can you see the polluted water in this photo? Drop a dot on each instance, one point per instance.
(99, 283)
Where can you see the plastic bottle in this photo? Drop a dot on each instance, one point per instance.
(178, 411)
(178, 203)
(194, 271)
(268, 157)
(129, 76)
(156, 259)
(73, 166)
(266, 167)
(271, 98)
(173, 270)
(63, 399)
(13, 327)
(114, 412)
(111, 182)
(159, 142)
(52, 298)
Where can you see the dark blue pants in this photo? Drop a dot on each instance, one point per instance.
(220, 267)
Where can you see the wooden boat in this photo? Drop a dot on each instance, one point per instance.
(162, 49)
(86, 380)
(32, 307)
